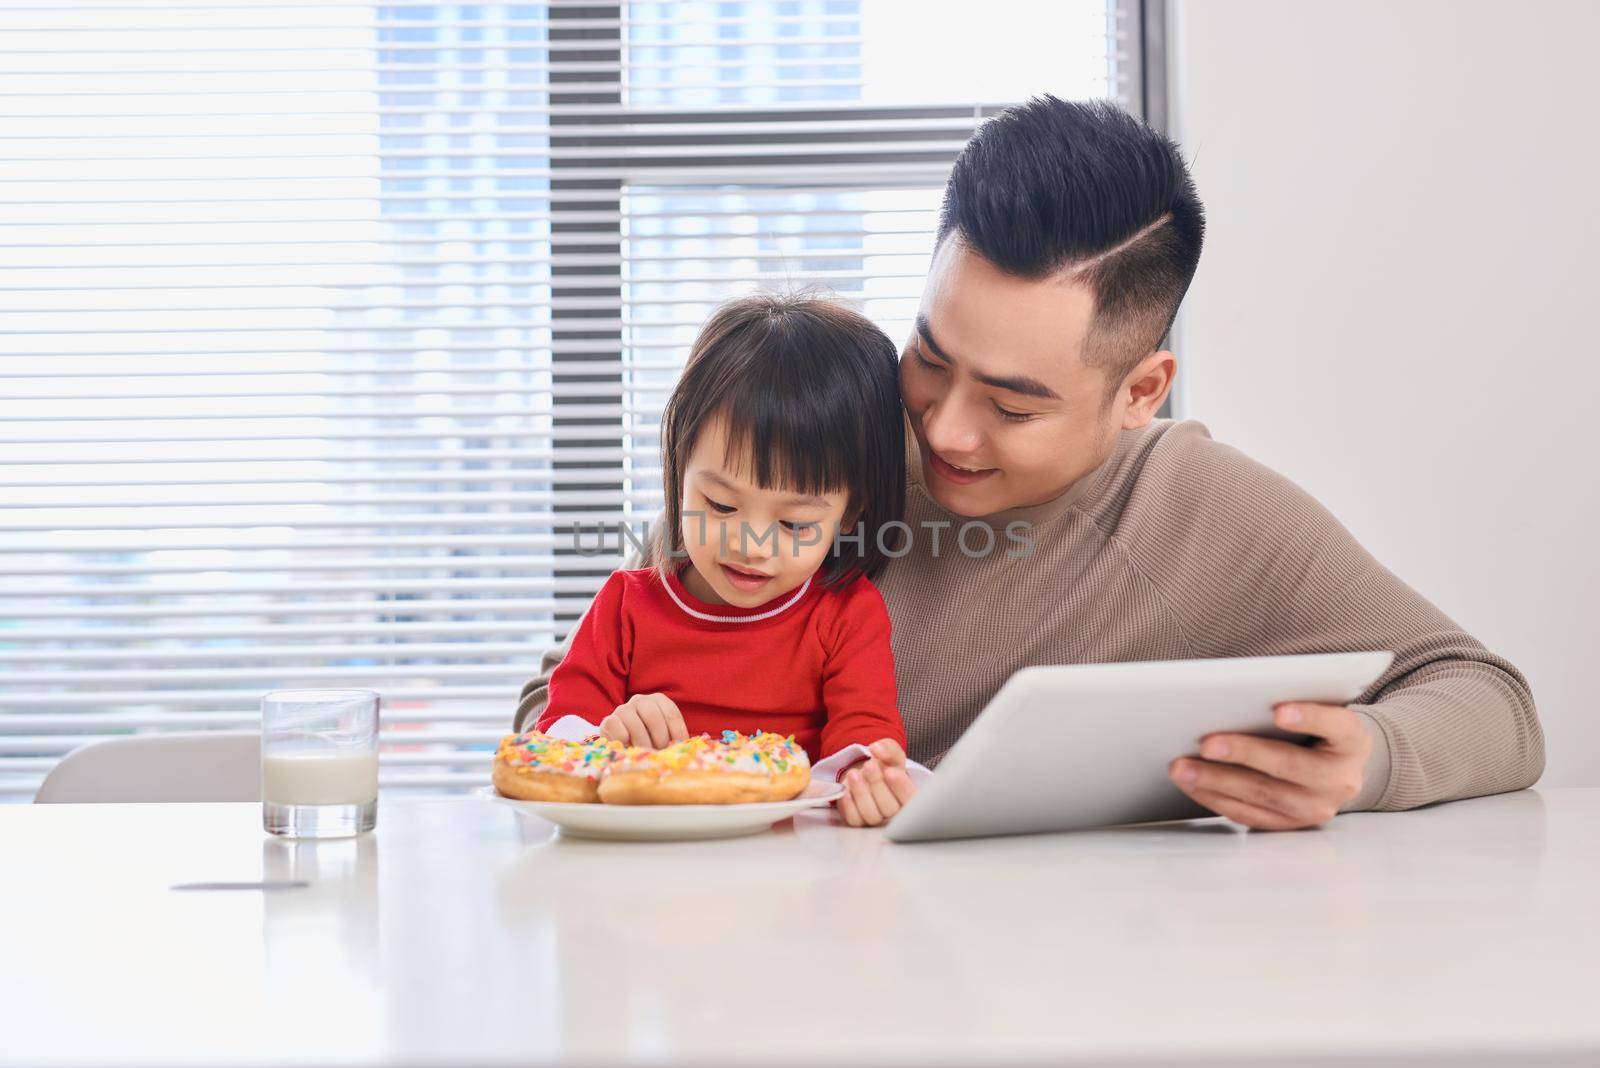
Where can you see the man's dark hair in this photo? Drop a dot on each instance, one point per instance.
(1053, 186)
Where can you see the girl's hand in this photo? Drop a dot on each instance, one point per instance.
(649, 720)
(877, 789)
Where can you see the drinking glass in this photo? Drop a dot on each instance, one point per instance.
(319, 763)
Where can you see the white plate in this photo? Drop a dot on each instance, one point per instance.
(668, 822)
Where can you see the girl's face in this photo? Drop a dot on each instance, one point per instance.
(748, 545)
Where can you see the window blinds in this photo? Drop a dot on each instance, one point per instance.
(324, 325)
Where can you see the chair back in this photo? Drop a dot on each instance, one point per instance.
(177, 766)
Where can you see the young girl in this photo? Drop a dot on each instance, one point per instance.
(782, 456)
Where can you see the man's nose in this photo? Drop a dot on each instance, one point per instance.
(948, 429)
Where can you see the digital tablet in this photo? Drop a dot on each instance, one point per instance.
(1070, 747)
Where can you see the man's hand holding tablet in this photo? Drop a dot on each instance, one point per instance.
(1273, 785)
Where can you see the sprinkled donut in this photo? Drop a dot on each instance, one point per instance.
(532, 766)
(699, 771)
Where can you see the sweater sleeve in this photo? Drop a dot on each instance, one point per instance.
(1252, 565)
(858, 689)
(591, 679)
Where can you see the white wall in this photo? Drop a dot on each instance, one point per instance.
(1395, 303)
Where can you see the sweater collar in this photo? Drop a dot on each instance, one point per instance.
(695, 608)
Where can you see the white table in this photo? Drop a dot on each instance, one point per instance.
(459, 934)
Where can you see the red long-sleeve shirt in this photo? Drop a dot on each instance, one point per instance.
(814, 663)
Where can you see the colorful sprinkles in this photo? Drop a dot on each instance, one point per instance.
(537, 751)
(763, 753)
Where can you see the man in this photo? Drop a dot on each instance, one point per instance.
(1068, 237)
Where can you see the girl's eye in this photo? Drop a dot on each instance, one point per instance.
(1015, 417)
(720, 509)
(798, 528)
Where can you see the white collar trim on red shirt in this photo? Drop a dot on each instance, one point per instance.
(758, 617)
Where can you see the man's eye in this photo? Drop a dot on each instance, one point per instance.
(1015, 417)
(720, 509)
(924, 362)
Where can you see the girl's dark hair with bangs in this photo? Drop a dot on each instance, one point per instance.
(810, 393)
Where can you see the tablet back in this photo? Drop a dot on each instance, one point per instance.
(1069, 747)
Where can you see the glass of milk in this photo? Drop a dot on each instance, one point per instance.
(319, 762)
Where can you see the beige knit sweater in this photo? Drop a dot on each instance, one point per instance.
(1179, 547)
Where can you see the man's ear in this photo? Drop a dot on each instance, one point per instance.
(1146, 386)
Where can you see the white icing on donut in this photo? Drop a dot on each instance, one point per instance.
(759, 754)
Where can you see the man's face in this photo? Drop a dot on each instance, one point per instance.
(1005, 411)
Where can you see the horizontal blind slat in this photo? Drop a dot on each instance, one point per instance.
(246, 697)
(594, 153)
(384, 564)
(391, 673)
(569, 411)
(23, 786)
(492, 261)
(730, 169)
(205, 654)
(54, 746)
(823, 68)
(517, 391)
(144, 638)
(443, 457)
(352, 500)
(640, 258)
(160, 541)
(320, 435)
(584, 22)
(506, 475)
(459, 372)
(466, 724)
(516, 521)
(380, 611)
(259, 585)
(84, 39)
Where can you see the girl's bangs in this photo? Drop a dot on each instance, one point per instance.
(786, 443)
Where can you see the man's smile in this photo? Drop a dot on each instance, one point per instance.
(961, 476)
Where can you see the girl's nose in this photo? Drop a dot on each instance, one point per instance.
(755, 543)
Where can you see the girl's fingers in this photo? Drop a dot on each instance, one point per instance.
(858, 791)
(677, 730)
(612, 727)
(882, 796)
(655, 720)
(637, 732)
(888, 751)
(900, 784)
(847, 809)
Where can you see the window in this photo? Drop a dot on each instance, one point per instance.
(322, 324)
